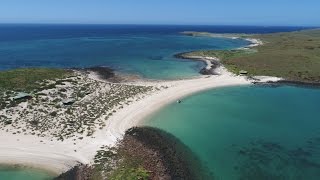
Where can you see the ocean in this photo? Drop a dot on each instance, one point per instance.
(217, 124)
(146, 51)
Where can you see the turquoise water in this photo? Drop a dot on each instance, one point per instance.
(250, 132)
(23, 174)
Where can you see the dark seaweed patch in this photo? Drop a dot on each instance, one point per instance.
(271, 161)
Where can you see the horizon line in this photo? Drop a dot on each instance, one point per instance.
(146, 24)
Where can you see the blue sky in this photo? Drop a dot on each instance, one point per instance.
(206, 12)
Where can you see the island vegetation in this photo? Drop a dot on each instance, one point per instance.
(27, 79)
(60, 103)
(294, 56)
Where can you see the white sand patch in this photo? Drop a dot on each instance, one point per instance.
(265, 79)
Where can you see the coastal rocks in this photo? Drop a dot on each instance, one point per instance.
(102, 71)
(299, 83)
(181, 55)
(211, 70)
(254, 42)
(205, 71)
(107, 74)
(80, 172)
(266, 79)
(161, 149)
(211, 62)
(276, 82)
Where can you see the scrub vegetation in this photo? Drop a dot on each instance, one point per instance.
(28, 79)
(61, 104)
(294, 56)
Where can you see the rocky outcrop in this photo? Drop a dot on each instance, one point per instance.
(163, 156)
(80, 172)
(211, 70)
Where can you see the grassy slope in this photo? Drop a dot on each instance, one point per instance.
(294, 56)
(26, 79)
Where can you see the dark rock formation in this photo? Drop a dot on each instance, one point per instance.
(80, 172)
(203, 71)
(299, 83)
(289, 83)
(103, 72)
(164, 156)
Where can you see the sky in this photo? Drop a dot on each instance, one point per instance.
(187, 12)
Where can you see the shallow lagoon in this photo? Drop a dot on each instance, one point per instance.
(250, 132)
(11, 173)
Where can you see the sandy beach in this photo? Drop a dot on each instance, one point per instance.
(135, 113)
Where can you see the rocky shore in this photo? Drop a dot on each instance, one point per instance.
(212, 63)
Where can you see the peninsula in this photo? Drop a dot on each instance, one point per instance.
(294, 56)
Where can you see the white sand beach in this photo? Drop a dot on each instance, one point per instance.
(135, 113)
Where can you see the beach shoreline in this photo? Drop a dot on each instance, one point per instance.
(134, 114)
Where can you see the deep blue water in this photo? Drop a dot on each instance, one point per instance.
(17, 32)
(137, 49)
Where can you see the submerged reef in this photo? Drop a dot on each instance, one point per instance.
(265, 160)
